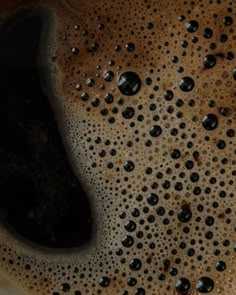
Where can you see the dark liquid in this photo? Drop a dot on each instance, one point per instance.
(40, 198)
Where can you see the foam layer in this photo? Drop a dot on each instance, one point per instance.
(157, 159)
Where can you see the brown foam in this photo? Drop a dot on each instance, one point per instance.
(113, 190)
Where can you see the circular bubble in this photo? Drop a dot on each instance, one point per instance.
(129, 83)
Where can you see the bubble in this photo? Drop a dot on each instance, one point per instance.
(229, 55)
(160, 211)
(130, 226)
(95, 102)
(127, 241)
(228, 21)
(209, 61)
(223, 38)
(175, 154)
(221, 144)
(156, 131)
(135, 212)
(108, 76)
(104, 282)
(209, 220)
(131, 282)
(135, 264)
(186, 84)
(220, 265)
(192, 26)
(65, 287)
(130, 46)
(205, 285)
(234, 73)
(152, 199)
(210, 122)
(90, 82)
(129, 166)
(230, 133)
(140, 291)
(182, 285)
(75, 51)
(128, 113)
(173, 271)
(129, 83)
(109, 98)
(168, 95)
(208, 33)
(184, 214)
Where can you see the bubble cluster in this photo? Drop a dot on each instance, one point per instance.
(144, 95)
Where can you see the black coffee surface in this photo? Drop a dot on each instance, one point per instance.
(40, 197)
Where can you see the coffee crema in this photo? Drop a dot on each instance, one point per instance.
(143, 94)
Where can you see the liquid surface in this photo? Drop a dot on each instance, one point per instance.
(41, 199)
(144, 97)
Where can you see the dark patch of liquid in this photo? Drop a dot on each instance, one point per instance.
(40, 198)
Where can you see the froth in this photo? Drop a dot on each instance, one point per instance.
(155, 154)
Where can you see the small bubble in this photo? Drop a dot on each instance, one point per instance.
(205, 285)
(135, 212)
(186, 84)
(184, 44)
(90, 82)
(101, 27)
(104, 282)
(223, 38)
(117, 48)
(209, 220)
(129, 83)
(173, 271)
(127, 241)
(184, 214)
(129, 166)
(155, 131)
(182, 285)
(192, 26)
(108, 76)
(135, 264)
(130, 226)
(220, 265)
(109, 98)
(140, 291)
(224, 111)
(150, 26)
(221, 144)
(130, 46)
(84, 96)
(228, 21)
(128, 113)
(152, 199)
(208, 33)
(181, 18)
(229, 55)
(210, 122)
(209, 61)
(175, 154)
(75, 51)
(95, 102)
(234, 73)
(230, 133)
(65, 287)
(131, 282)
(168, 95)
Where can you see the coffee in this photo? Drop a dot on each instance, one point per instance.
(142, 201)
